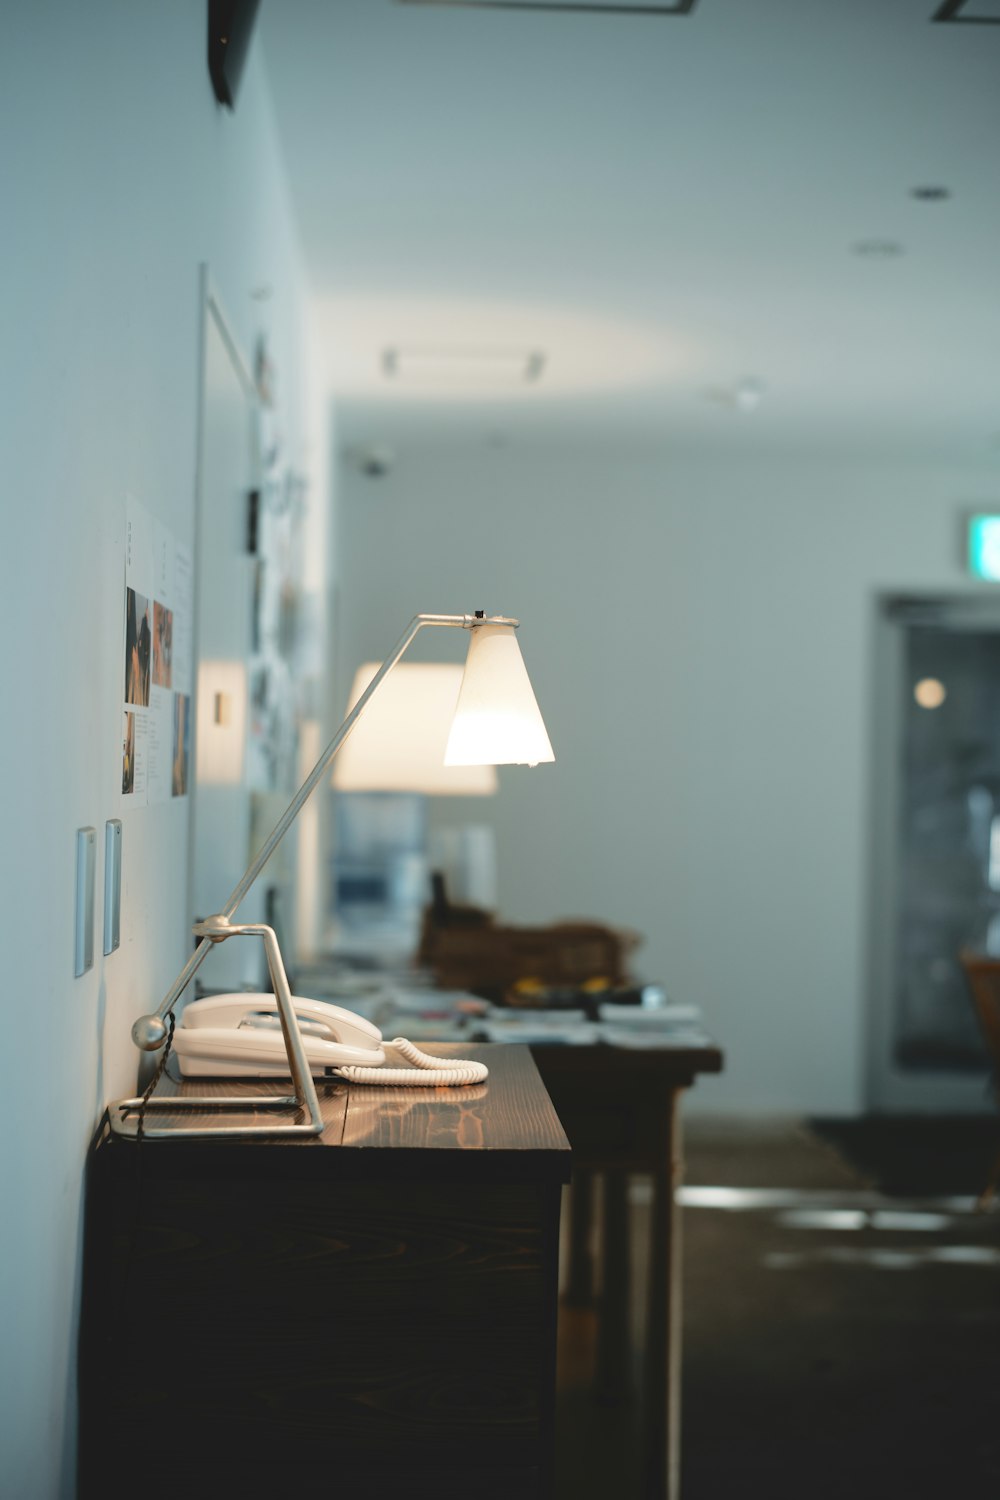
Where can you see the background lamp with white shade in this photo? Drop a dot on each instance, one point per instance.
(400, 744)
(389, 768)
(496, 721)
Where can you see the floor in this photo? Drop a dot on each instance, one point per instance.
(842, 1320)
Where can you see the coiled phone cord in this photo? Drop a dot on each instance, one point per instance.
(425, 1071)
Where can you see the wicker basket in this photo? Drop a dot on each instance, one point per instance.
(489, 959)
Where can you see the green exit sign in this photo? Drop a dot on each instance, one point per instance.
(984, 547)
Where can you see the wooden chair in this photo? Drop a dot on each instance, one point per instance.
(983, 977)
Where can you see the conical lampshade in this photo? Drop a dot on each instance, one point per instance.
(496, 721)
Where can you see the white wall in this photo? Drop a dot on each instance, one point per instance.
(698, 631)
(120, 175)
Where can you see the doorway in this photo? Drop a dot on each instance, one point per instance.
(936, 855)
(221, 804)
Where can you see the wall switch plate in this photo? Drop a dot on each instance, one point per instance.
(86, 849)
(112, 884)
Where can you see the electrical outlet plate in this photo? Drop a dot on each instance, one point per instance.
(86, 849)
(112, 884)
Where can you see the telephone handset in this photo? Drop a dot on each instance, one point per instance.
(240, 1036)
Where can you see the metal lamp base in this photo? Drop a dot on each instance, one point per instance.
(125, 1115)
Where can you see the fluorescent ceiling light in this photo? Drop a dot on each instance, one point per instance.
(878, 249)
(974, 12)
(627, 7)
(459, 366)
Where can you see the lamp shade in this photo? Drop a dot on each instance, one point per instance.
(497, 721)
(399, 742)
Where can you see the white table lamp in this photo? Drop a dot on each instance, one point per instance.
(499, 723)
(497, 717)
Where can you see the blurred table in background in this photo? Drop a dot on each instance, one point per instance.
(615, 1070)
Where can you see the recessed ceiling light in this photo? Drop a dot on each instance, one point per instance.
(749, 393)
(463, 366)
(742, 395)
(878, 249)
(931, 193)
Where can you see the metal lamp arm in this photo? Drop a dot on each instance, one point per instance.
(149, 1032)
(316, 774)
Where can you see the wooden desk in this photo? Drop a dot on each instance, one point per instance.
(621, 1110)
(373, 1310)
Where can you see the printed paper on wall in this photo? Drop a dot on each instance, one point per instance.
(157, 667)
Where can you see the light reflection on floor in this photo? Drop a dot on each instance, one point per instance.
(861, 1212)
(809, 1373)
(882, 1260)
(743, 1200)
(888, 1220)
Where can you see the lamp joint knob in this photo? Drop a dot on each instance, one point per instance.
(149, 1033)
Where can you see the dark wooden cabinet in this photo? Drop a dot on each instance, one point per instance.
(374, 1309)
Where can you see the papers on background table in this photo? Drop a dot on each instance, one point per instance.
(365, 994)
(635, 1026)
(399, 1005)
(569, 1027)
(395, 1006)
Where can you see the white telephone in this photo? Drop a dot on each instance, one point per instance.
(240, 1036)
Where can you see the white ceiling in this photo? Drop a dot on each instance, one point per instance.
(665, 205)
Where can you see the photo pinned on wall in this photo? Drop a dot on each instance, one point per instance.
(135, 734)
(158, 660)
(257, 603)
(163, 630)
(137, 648)
(128, 756)
(272, 736)
(182, 745)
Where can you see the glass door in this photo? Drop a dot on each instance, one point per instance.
(937, 817)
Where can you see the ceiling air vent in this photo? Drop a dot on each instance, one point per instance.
(602, 7)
